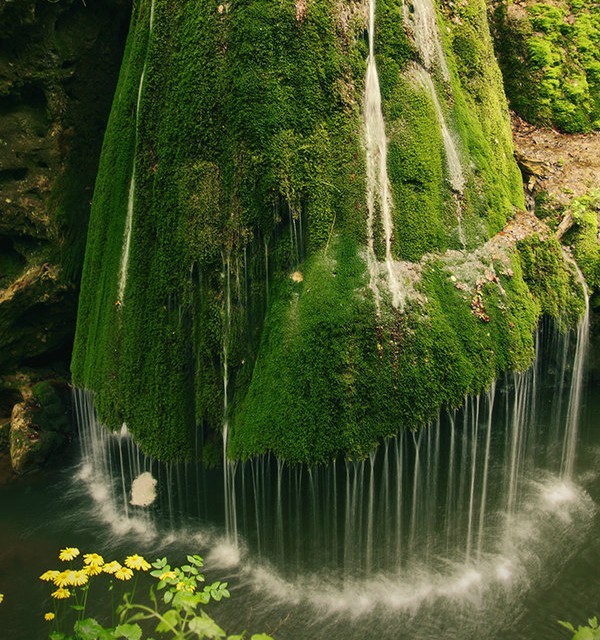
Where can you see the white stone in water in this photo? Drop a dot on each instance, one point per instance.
(143, 490)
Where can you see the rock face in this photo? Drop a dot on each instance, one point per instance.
(562, 176)
(58, 67)
(40, 425)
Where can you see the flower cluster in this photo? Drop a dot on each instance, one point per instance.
(93, 565)
(178, 612)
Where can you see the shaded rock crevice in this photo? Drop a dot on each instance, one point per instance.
(58, 68)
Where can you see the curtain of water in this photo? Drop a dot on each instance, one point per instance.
(456, 490)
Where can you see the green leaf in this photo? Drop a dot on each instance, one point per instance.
(204, 625)
(239, 636)
(567, 625)
(187, 601)
(171, 620)
(77, 607)
(128, 631)
(593, 622)
(260, 636)
(197, 560)
(57, 635)
(584, 633)
(168, 596)
(90, 629)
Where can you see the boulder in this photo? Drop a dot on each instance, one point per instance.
(40, 425)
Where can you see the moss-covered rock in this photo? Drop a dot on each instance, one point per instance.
(58, 66)
(229, 276)
(550, 58)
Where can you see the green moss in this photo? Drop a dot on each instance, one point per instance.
(331, 377)
(551, 62)
(584, 237)
(549, 279)
(247, 157)
(247, 294)
(426, 212)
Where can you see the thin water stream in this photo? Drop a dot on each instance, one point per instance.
(127, 231)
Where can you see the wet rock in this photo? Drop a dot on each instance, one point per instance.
(40, 425)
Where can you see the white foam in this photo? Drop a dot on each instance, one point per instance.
(143, 490)
(224, 554)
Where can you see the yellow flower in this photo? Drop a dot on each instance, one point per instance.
(92, 569)
(124, 573)
(80, 578)
(93, 560)
(168, 575)
(1, 597)
(180, 586)
(111, 567)
(61, 593)
(50, 575)
(137, 562)
(49, 616)
(63, 579)
(68, 554)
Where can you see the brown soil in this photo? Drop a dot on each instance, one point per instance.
(566, 166)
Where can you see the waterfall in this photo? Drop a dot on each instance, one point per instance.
(131, 193)
(464, 489)
(228, 465)
(424, 28)
(379, 198)
(577, 379)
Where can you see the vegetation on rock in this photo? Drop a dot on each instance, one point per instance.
(226, 279)
(550, 57)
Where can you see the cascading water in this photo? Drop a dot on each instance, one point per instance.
(575, 393)
(420, 16)
(228, 465)
(379, 198)
(462, 510)
(131, 194)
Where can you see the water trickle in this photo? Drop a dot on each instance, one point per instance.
(422, 22)
(577, 379)
(131, 193)
(379, 198)
(453, 163)
(228, 465)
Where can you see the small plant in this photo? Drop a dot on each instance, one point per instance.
(589, 632)
(172, 605)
